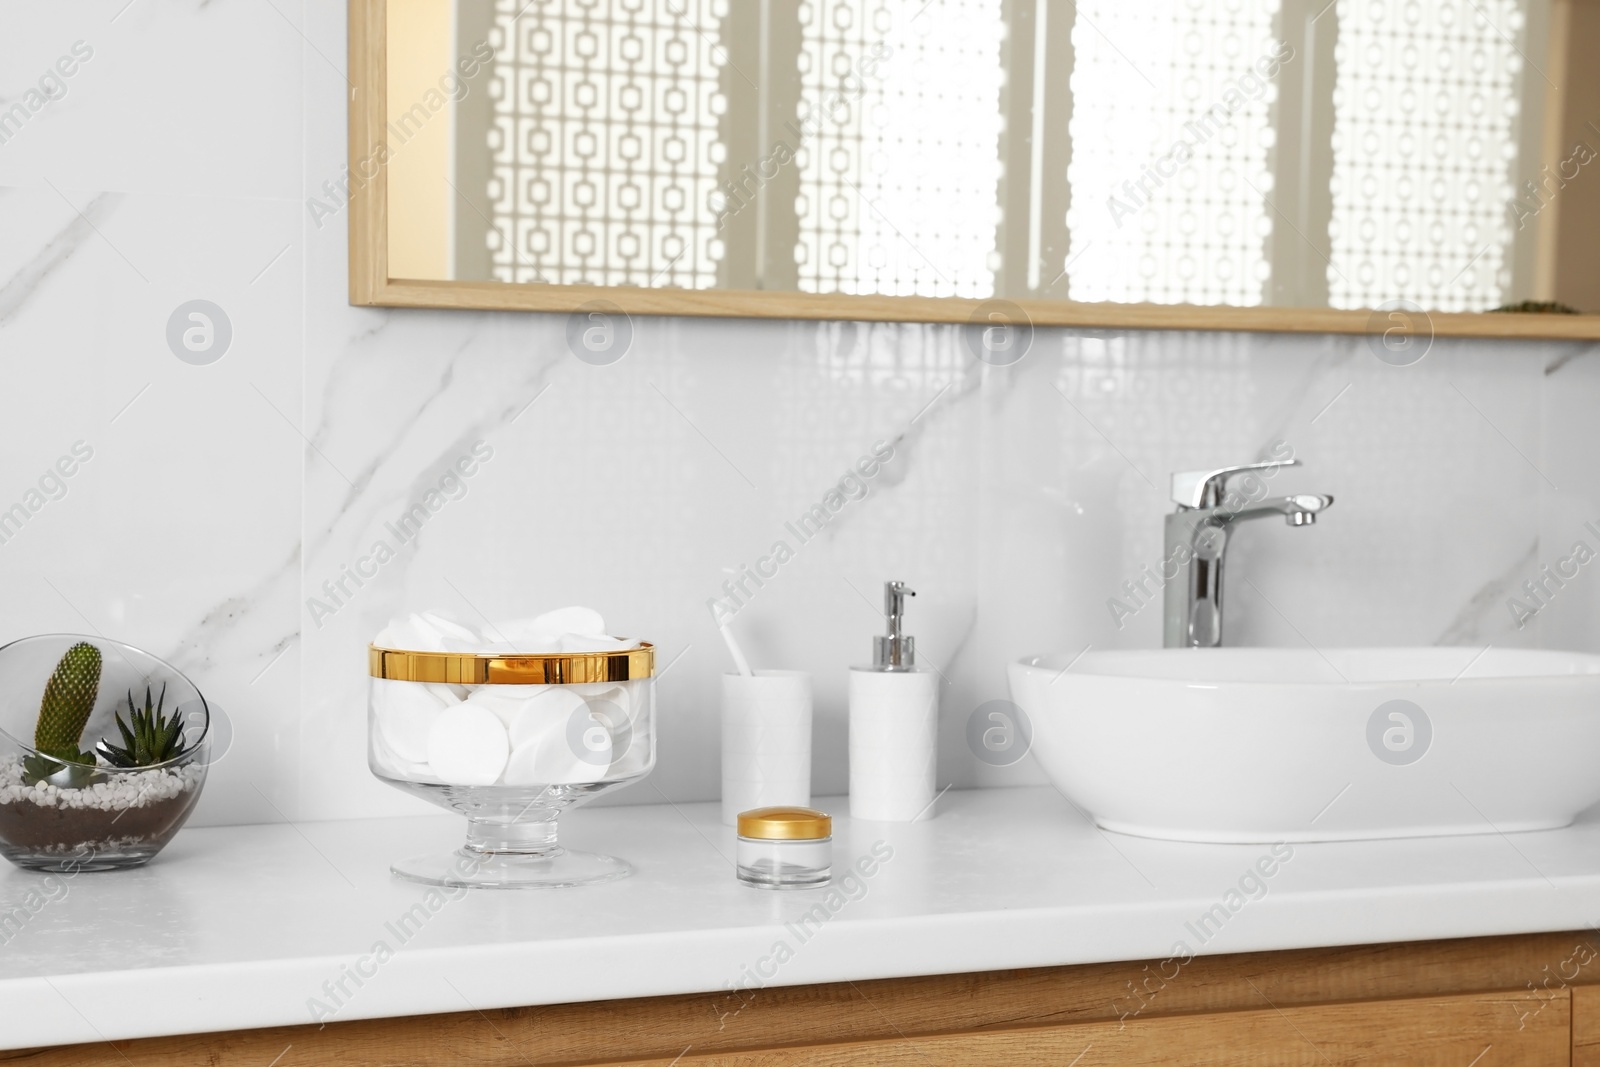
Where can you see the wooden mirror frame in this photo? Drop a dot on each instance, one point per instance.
(371, 285)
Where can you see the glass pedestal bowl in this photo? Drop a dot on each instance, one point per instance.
(511, 742)
(63, 816)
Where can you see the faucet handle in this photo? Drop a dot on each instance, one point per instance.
(1204, 489)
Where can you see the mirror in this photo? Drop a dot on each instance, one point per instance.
(1277, 164)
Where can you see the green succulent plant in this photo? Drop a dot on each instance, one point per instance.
(69, 698)
(148, 736)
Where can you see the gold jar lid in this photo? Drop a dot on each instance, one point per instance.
(497, 668)
(785, 824)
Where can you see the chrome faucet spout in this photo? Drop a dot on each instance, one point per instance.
(1298, 510)
(1197, 537)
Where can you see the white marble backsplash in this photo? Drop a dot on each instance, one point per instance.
(227, 503)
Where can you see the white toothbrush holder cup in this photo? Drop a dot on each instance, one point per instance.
(766, 741)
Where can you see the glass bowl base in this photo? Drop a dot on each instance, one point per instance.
(81, 859)
(555, 868)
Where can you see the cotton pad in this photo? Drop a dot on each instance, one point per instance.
(525, 708)
(407, 633)
(455, 636)
(566, 630)
(542, 728)
(525, 646)
(547, 628)
(468, 745)
(395, 767)
(553, 710)
(427, 631)
(609, 702)
(550, 747)
(406, 712)
(593, 643)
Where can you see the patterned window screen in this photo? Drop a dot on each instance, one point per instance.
(1171, 136)
(604, 141)
(1422, 175)
(608, 125)
(900, 169)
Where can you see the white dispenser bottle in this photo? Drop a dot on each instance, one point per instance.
(894, 724)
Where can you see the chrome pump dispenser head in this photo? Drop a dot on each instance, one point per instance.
(895, 651)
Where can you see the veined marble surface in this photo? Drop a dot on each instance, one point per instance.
(996, 879)
(221, 498)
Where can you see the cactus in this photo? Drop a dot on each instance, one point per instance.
(68, 701)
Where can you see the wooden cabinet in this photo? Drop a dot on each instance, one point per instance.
(1481, 1002)
(1585, 1026)
(1434, 1030)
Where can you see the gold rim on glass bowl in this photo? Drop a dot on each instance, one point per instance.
(496, 668)
(785, 824)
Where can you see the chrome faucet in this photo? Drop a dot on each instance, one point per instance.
(1197, 543)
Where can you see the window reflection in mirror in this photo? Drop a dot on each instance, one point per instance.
(1309, 153)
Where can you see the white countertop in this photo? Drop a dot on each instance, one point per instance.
(240, 927)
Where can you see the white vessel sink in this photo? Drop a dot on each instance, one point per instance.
(1270, 744)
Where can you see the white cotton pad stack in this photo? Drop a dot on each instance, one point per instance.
(562, 630)
(406, 713)
(514, 735)
(468, 745)
(555, 738)
(543, 633)
(428, 631)
(568, 630)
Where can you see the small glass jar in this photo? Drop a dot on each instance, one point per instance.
(785, 848)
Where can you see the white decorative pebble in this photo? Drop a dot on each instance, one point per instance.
(123, 790)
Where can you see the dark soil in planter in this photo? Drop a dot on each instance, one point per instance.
(119, 815)
(25, 824)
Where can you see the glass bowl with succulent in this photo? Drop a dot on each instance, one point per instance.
(103, 752)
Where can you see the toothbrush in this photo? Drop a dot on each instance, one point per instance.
(739, 662)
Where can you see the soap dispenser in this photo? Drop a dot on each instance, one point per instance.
(894, 724)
